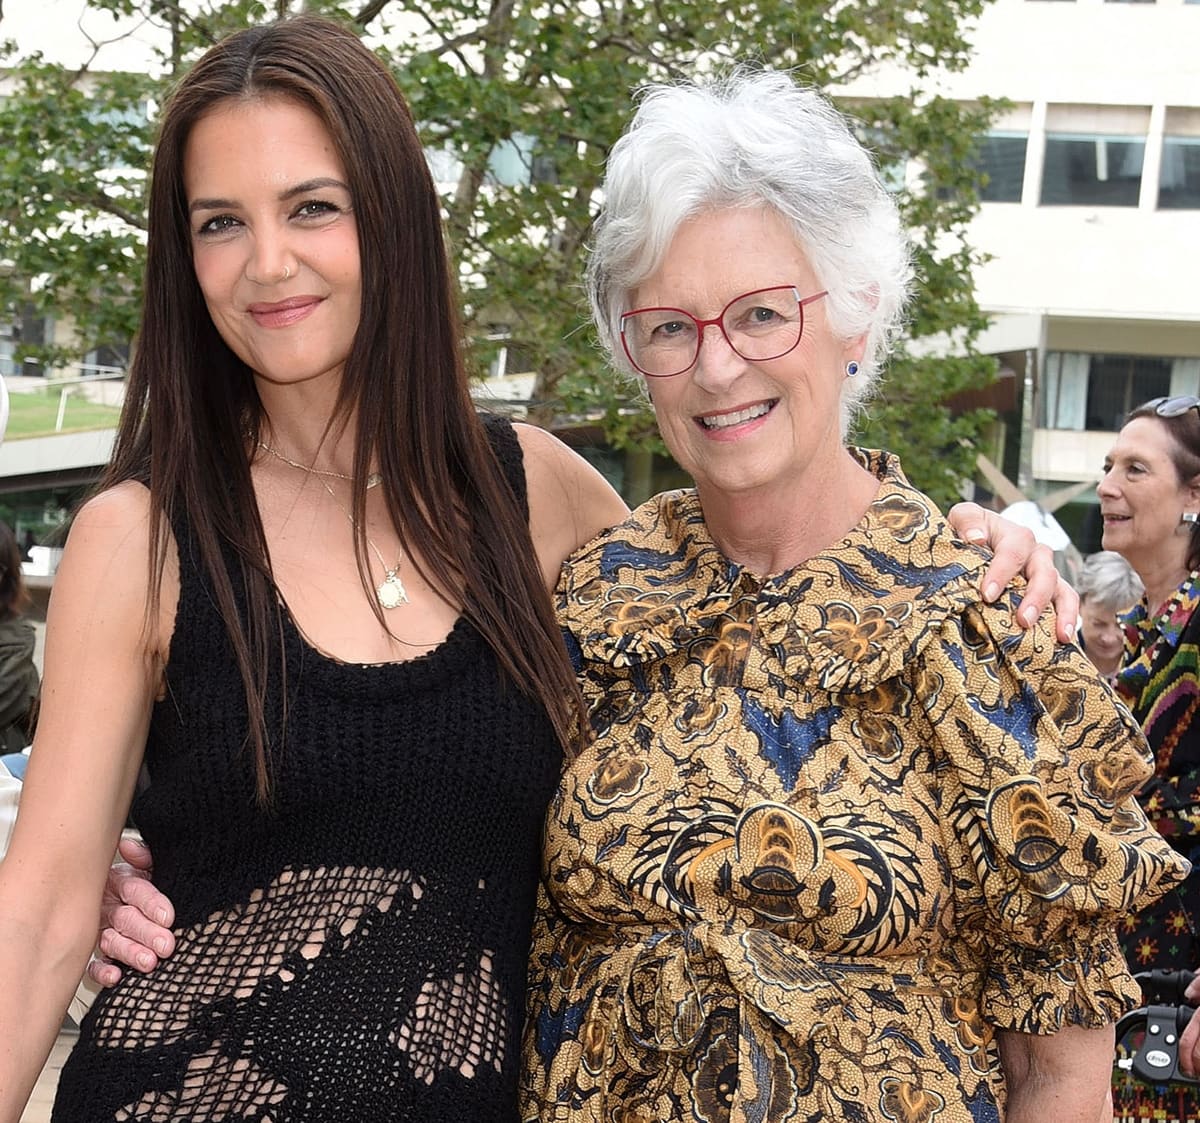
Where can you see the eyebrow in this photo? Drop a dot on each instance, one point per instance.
(309, 185)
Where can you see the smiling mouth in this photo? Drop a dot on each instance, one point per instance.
(716, 421)
(284, 312)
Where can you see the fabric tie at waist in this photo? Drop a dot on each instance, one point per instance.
(671, 981)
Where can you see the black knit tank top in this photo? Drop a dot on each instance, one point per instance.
(357, 953)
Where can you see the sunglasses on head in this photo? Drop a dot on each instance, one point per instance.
(1173, 407)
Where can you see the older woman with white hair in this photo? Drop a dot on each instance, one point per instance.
(844, 844)
(1107, 586)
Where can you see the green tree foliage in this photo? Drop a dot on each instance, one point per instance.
(545, 88)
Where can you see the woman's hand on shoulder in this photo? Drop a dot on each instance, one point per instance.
(569, 501)
(1016, 551)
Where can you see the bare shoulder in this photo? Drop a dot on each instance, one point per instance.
(107, 559)
(570, 502)
(121, 509)
(110, 535)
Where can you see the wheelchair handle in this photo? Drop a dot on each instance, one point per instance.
(1157, 1058)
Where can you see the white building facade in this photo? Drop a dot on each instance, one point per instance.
(1090, 215)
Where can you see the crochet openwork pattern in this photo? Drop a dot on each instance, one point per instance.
(234, 977)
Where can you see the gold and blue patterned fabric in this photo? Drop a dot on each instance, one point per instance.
(835, 828)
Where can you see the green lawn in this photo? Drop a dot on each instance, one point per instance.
(34, 414)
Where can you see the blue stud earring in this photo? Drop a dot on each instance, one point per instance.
(851, 369)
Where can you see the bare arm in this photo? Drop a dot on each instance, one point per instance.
(1062, 1077)
(100, 676)
(569, 501)
(1017, 552)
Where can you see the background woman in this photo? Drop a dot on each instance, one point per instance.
(845, 845)
(323, 628)
(1150, 503)
(1107, 586)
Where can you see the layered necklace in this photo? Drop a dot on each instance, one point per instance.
(390, 592)
(373, 480)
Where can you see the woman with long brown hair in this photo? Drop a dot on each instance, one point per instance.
(311, 599)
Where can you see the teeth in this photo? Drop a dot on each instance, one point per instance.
(725, 420)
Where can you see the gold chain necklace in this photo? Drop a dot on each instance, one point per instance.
(390, 592)
(373, 480)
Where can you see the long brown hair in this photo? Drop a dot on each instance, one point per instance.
(193, 411)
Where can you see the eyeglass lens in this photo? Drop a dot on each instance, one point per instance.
(757, 325)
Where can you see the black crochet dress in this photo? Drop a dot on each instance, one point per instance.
(358, 953)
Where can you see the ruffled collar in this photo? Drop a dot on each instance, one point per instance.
(856, 612)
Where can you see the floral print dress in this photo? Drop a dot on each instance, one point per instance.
(835, 828)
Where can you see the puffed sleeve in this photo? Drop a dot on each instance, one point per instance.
(1048, 849)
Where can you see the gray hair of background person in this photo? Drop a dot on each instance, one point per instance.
(751, 138)
(1107, 579)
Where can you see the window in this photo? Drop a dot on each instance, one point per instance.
(1000, 160)
(996, 164)
(1179, 176)
(1097, 171)
(23, 327)
(1094, 392)
(106, 359)
(1179, 180)
(1094, 155)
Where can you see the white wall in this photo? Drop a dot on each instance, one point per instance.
(1072, 51)
(1097, 261)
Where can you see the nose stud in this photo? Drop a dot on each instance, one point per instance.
(287, 272)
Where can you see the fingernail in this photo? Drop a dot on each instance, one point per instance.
(161, 916)
(991, 591)
(1028, 616)
(162, 945)
(975, 534)
(145, 962)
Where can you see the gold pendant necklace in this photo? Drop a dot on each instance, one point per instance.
(390, 592)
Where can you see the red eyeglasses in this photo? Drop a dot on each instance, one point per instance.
(759, 325)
